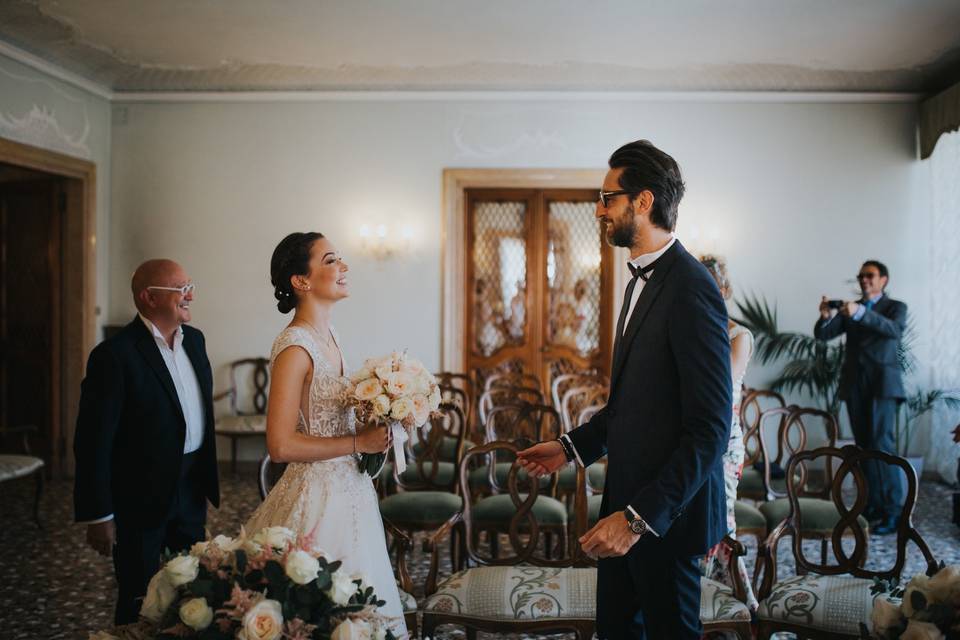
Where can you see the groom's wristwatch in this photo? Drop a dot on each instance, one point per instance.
(635, 522)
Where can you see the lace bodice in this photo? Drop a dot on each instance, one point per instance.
(329, 412)
(735, 331)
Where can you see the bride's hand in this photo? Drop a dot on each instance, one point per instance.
(373, 439)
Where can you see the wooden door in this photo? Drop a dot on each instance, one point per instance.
(538, 283)
(31, 225)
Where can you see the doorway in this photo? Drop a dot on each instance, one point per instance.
(46, 296)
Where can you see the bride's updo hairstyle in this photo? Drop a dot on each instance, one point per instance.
(290, 258)
(717, 267)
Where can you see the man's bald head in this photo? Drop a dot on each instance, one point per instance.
(165, 308)
(160, 272)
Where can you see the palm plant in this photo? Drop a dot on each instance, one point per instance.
(915, 406)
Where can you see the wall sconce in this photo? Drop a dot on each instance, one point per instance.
(379, 243)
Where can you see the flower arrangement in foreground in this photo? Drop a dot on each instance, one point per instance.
(269, 586)
(929, 609)
(398, 391)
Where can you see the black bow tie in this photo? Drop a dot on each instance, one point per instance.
(642, 272)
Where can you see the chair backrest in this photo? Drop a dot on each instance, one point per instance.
(523, 424)
(505, 395)
(461, 381)
(851, 459)
(565, 381)
(260, 381)
(524, 490)
(268, 474)
(428, 458)
(794, 435)
(752, 406)
(576, 399)
(512, 379)
(457, 396)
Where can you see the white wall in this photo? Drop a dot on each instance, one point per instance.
(795, 195)
(40, 110)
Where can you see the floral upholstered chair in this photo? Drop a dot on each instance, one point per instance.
(13, 466)
(831, 599)
(247, 417)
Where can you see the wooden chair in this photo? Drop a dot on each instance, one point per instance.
(566, 381)
(513, 379)
(243, 423)
(594, 492)
(466, 383)
(270, 473)
(572, 404)
(753, 415)
(14, 466)
(525, 590)
(505, 395)
(830, 599)
(722, 607)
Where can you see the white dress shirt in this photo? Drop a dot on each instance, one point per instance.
(187, 386)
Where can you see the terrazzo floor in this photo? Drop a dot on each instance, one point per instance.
(53, 586)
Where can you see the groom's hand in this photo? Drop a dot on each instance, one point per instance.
(543, 458)
(609, 538)
(102, 536)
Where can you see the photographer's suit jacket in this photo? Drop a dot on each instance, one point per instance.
(131, 429)
(871, 347)
(667, 421)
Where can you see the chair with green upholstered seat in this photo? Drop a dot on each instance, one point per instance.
(512, 379)
(501, 396)
(759, 480)
(830, 598)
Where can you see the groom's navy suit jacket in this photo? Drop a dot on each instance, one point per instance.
(667, 421)
(131, 429)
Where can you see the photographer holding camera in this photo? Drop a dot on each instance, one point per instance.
(870, 381)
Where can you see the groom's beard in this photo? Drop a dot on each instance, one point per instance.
(624, 232)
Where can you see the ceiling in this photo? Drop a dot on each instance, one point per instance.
(598, 45)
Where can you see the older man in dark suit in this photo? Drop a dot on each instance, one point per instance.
(667, 420)
(144, 446)
(871, 381)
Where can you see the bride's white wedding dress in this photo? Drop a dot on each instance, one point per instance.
(331, 500)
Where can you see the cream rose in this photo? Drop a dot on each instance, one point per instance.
(181, 570)
(263, 621)
(421, 408)
(226, 543)
(885, 615)
(275, 537)
(944, 586)
(301, 567)
(413, 367)
(199, 548)
(160, 595)
(917, 630)
(435, 398)
(399, 384)
(352, 630)
(919, 583)
(368, 389)
(363, 374)
(342, 588)
(196, 614)
(381, 405)
(383, 371)
(401, 408)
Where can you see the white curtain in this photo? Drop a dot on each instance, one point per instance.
(945, 240)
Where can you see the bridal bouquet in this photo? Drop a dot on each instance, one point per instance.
(398, 391)
(268, 586)
(929, 609)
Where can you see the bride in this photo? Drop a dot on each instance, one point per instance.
(310, 425)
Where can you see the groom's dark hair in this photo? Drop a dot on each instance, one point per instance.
(646, 168)
(290, 258)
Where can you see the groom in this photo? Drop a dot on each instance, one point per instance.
(145, 448)
(667, 420)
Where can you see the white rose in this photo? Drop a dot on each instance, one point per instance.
(226, 543)
(435, 399)
(364, 373)
(263, 621)
(383, 371)
(196, 614)
(921, 631)
(421, 409)
(275, 537)
(368, 389)
(919, 583)
(301, 567)
(352, 630)
(413, 367)
(886, 615)
(381, 405)
(251, 547)
(944, 586)
(401, 408)
(399, 384)
(342, 588)
(181, 570)
(160, 595)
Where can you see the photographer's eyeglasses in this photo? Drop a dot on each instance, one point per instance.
(866, 276)
(606, 195)
(183, 291)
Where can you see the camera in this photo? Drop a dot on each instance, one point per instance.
(835, 304)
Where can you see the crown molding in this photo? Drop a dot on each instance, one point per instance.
(50, 69)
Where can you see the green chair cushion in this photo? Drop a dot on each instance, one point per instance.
(420, 507)
(448, 448)
(500, 508)
(596, 472)
(816, 516)
(748, 516)
(444, 474)
(718, 604)
(517, 592)
(751, 484)
(836, 604)
(593, 510)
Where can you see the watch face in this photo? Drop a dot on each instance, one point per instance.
(637, 526)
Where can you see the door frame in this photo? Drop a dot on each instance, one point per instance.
(453, 257)
(78, 280)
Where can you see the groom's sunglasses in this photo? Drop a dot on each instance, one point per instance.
(606, 195)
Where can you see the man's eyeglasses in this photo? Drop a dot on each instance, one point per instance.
(606, 195)
(866, 276)
(184, 290)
